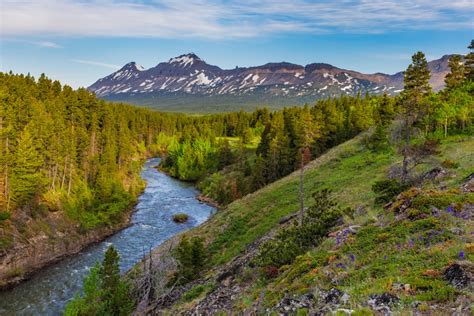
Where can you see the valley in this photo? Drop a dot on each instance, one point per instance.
(357, 204)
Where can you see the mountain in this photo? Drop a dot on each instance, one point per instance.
(188, 83)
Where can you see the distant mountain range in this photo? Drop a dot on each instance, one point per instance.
(188, 83)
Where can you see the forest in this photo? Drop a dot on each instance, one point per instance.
(65, 150)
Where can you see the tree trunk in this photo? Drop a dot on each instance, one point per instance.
(301, 215)
(445, 128)
(70, 180)
(405, 153)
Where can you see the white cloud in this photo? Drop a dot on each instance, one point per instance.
(227, 18)
(95, 63)
(47, 44)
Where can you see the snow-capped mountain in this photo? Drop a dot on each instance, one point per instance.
(188, 78)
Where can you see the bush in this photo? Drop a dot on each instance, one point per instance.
(4, 215)
(449, 164)
(386, 190)
(180, 218)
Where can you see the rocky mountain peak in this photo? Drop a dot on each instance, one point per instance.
(186, 60)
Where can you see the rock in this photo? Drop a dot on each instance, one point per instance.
(468, 186)
(332, 296)
(360, 210)
(345, 298)
(435, 174)
(292, 304)
(382, 301)
(460, 274)
(457, 231)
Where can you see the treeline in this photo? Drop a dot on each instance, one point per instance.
(271, 145)
(293, 136)
(65, 150)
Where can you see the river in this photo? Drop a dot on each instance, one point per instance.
(49, 290)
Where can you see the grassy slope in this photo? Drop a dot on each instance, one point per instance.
(350, 170)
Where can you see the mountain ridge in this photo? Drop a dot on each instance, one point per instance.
(189, 82)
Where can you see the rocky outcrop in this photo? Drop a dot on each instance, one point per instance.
(460, 275)
(468, 185)
(49, 240)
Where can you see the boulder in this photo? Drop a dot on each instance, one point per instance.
(460, 274)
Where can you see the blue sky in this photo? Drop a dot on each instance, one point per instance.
(79, 41)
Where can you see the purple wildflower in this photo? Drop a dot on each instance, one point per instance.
(340, 265)
(385, 257)
(399, 247)
(450, 209)
(461, 255)
(338, 240)
(411, 243)
(352, 257)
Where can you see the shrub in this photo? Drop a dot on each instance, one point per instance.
(180, 218)
(450, 164)
(386, 190)
(4, 215)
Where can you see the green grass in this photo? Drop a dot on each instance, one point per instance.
(350, 170)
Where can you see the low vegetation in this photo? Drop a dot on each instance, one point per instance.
(180, 218)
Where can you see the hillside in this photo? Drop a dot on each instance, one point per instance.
(187, 83)
(380, 259)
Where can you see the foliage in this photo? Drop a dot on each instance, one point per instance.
(387, 189)
(180, 218)
(293, 241)
(104, 291)
(191, 256)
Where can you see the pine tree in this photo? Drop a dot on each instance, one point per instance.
(416, 87)
(191, 256)
(105, 293)
(469, 62)
(455, 78)
(25, 178)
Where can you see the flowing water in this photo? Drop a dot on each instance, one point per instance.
(48, 291)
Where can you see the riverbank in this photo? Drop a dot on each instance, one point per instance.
(24, 260)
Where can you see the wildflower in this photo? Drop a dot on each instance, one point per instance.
(450, 209)
(340, 265)
(385, 257)
(411, 243)
(352, 257)
(338, 240)
(461, 255)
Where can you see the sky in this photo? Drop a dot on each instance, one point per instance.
(80, 41)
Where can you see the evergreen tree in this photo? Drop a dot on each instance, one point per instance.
(456, 77)
(25, 178)
(105, 293)
(191, 256)
(469, 62)
(416, 87)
